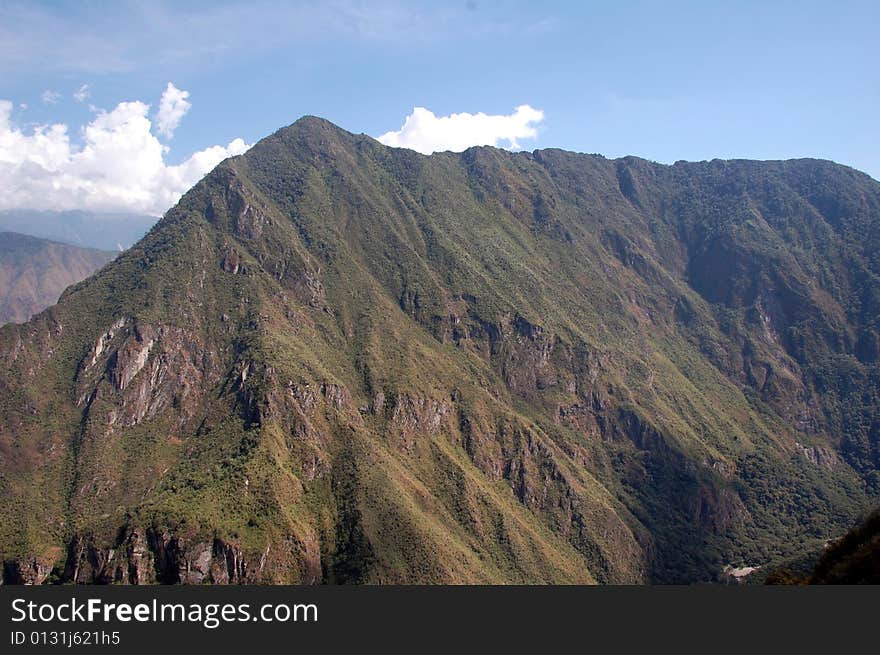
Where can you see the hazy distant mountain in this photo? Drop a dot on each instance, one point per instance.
(335, 361)
(34, 272)
(81, 228)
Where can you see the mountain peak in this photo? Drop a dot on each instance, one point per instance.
(315, 127)
(309, 137)
(309, 122)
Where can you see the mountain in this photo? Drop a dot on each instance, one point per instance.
(339, 362)
(34, 272)
(103, 231)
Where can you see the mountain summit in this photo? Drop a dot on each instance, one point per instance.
(337, 362)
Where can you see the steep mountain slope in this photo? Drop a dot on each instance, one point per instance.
(335, 361)
(34, 272)
(101, 230)
(854, 558)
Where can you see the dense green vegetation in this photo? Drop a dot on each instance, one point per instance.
(336, 361)
(852, 559)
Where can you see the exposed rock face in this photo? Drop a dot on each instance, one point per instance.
(26, 572)
(524, 353)
(818, 455)
(338, 362)
(148, 557)
(737, 574)
(146, 370)
(411, 417)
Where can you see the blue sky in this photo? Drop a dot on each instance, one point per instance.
(662, 80)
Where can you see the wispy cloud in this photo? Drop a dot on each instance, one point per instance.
(82, 93)
(426, 133)
(50, 97)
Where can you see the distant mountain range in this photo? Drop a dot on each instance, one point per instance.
(34, 272)
(338, 362)
(103, 231)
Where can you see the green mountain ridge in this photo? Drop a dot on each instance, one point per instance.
(339, 362)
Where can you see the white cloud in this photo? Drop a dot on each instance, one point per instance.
(426, 133)
(51, 97)
(120, 165)
(82, 93)
(22, 106)
(172, 108)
